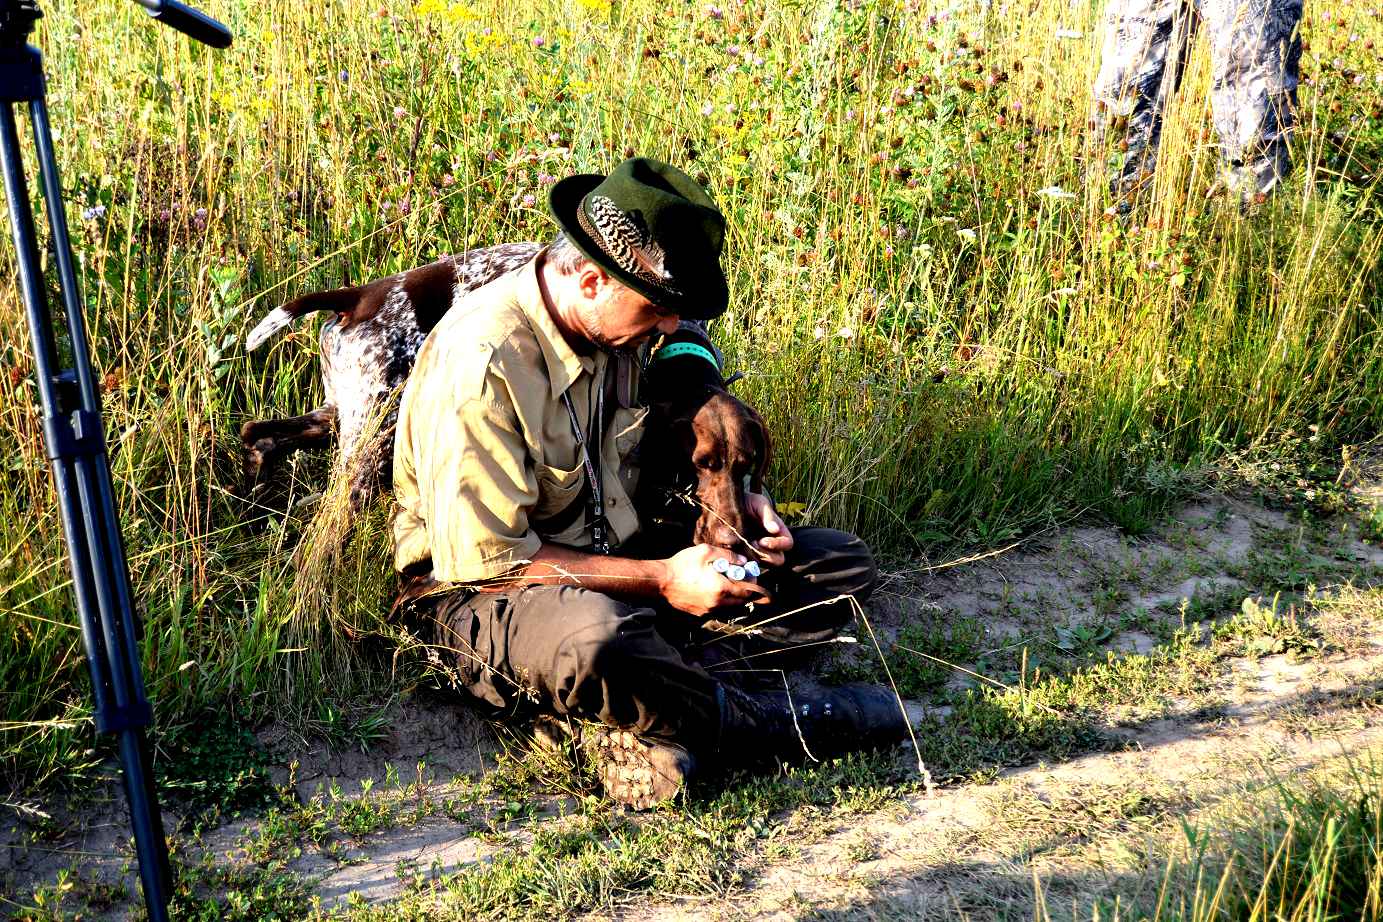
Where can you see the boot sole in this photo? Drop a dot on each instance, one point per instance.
(639, 773)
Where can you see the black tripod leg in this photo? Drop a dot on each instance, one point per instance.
(76, 446)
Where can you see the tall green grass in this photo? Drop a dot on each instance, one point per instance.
(943, 354)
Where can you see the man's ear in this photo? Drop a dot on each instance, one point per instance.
(591, 279)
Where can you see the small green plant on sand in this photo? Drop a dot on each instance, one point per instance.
(1263, 629)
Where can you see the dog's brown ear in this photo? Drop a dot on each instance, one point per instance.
(684, 435)
(765, 453)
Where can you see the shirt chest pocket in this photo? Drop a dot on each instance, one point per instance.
(558, 488)
(628, 426)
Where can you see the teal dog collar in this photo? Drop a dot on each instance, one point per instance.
(673, 350)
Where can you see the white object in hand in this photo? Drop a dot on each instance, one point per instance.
(735, 572)
(720, 565)
(752, 569)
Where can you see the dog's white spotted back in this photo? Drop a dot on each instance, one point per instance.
(365, 364)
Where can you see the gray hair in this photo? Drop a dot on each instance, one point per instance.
(564, 257)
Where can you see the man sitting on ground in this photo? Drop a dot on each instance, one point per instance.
(530, 596)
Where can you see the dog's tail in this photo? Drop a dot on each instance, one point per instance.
(340, 300)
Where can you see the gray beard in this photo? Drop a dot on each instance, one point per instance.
(595, 330)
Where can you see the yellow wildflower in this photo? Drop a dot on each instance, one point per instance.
(484, 42)
(460, 13)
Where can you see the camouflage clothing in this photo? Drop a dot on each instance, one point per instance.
(1255, 50)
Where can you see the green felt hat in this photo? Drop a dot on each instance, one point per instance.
(652, 227)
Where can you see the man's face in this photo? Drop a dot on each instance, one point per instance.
(616, 317)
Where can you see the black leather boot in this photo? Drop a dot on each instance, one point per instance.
(756, 727)
(817, 725)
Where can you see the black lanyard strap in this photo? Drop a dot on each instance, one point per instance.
(590, 460)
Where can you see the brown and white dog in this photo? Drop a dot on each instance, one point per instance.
(702, 450)
(368, 350)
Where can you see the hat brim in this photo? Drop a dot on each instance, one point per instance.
(564, 199)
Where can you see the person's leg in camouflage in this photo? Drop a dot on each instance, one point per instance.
(1255, 50)
(1144, 54)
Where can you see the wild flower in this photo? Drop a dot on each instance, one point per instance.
(715, 12)
(94, 212)
(818, 333)
(529, 200)
(485, 41)
(966, 234)
(1069, 33)
(708, 110)
(1056, 192)
(343, 75)
(199, 219)
(845, 333)
(460, 13)
(400, 112)
(539, 41)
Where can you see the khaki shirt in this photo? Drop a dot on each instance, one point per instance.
(486, 464)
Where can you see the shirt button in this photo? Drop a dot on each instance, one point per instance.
(613, 502)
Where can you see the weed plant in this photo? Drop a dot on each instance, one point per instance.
(951, 334)
(1310, 853)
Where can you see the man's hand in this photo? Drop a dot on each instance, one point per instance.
(692, 585)
(777, 540)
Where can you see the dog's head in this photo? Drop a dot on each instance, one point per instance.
(703, 444)
(728, 448)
